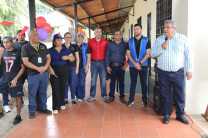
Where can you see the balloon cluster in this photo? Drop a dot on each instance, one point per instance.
(43, 28)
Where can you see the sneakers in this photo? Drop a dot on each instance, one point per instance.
(32, 115)
(6, 108)
(74, 102)
(63, 107)
(123, 100)
(145, 104)
(104, 98)
(46, 111)
(17, 120)
(129, 103)
(1, 114)
(55, 112)
(90, 99)
(66, 102)
(109, 100)
(79, 100)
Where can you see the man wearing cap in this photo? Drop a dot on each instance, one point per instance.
(98, 46)
(84, 56)
(12, 68)
(37, 59)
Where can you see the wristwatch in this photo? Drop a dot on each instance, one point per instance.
(140, 63)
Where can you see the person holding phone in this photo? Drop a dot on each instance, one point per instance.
(12, 70)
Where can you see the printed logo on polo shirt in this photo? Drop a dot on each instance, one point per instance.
(42, 47)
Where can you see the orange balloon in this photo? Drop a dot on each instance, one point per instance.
(79, 29)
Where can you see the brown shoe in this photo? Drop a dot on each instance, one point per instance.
(123, 100)
(110, 99)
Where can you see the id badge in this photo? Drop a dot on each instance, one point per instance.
(39, 60)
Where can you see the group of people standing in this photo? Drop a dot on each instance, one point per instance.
(69, 64)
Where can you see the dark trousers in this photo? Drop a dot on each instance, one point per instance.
(58, 85)
(143, 81)
(177, 80)
(80, 80)
(117, 73)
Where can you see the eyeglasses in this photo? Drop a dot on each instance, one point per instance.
(68, 37)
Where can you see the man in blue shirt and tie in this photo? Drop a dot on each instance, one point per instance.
(171, 50)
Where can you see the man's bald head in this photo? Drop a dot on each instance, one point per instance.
(34, 37)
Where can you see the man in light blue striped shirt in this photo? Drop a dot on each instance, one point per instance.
(172, 52)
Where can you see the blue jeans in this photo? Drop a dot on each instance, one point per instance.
(117, 72)
(177, 80)
(143, 80)
(5, 99)
(98, 68)
(71, 83)
(38, 82)
(80, 80)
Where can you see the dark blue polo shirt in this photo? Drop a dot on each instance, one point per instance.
(115, 53)
(56, 58)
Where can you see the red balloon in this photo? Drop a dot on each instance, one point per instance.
(40, 22)
(84, 33)
(47, 27)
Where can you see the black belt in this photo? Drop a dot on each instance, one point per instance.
(96, 60)
(116, 64)
(170, 71)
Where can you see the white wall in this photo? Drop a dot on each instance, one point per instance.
(180, 15)
(191, 20)
(197, 88)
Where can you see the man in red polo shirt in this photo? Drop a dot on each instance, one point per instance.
(98, 46)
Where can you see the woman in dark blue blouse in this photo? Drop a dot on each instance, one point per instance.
(59, 72)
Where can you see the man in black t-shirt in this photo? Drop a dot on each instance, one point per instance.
(36, 58)
(138, 52)
(12, 69)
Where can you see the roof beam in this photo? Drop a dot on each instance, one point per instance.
(71, 5)
(105, 13)
(116, 24)
(111, 20)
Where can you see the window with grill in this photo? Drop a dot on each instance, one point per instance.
(164, 12)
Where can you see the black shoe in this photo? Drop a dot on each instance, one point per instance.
(182, 119)
(32, 115)
(166, 119)
(46, 111)
(123, 100)
(17, 120)
(129, 103)
(66, 102)
(74, 102)
(1, 114)
(109, 100)
(145, 104)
